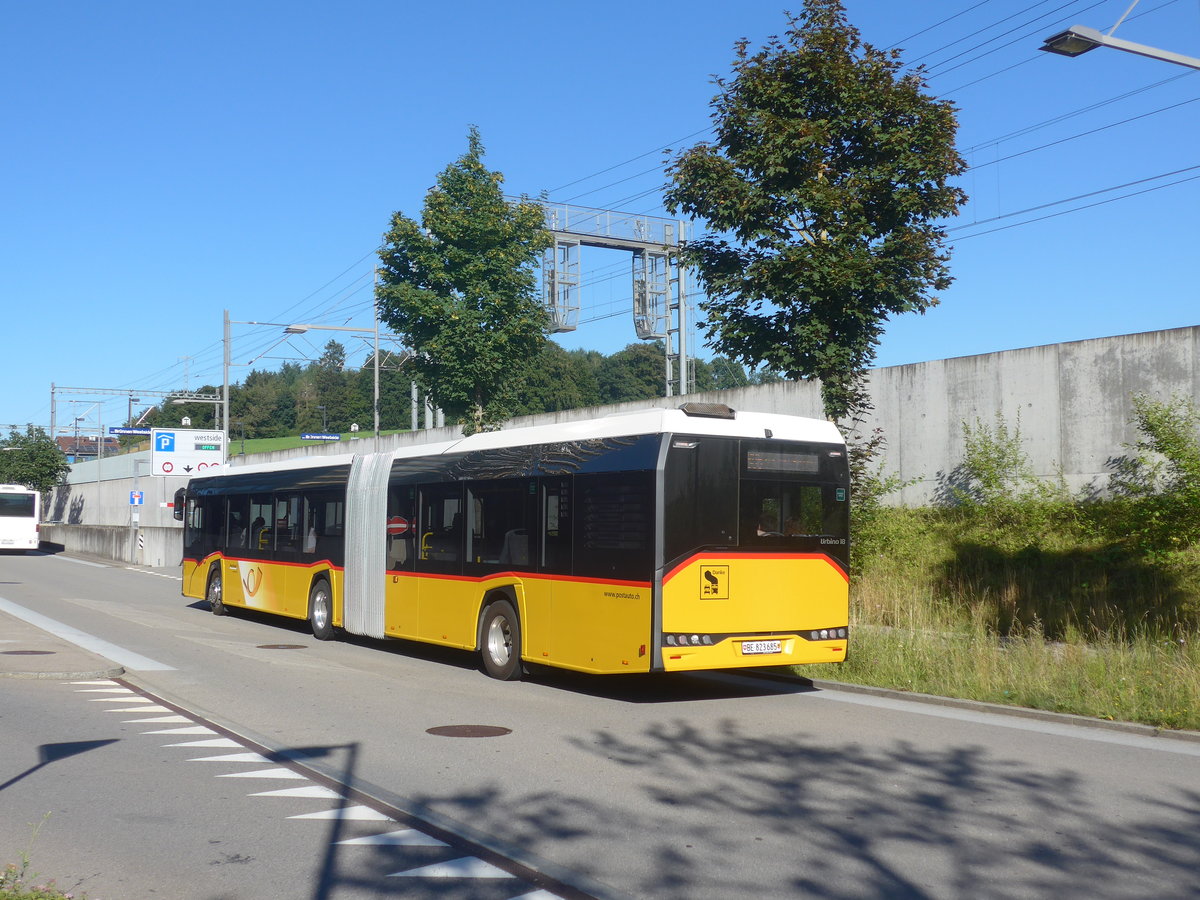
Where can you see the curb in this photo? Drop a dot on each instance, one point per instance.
(1000, 709)
(116, 672)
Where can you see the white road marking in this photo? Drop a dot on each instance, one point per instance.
(163, 720)
(120, 700)
(263, 773)
(409, 837)
(89, 642)
(348, 813)
(78, 562)
(312, 791)
(233, 757)
(467, 867)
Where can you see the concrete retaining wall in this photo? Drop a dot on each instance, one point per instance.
(147, 547)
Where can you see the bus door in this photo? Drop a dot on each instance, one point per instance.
(440, 592)
(553, 551)
(400, 560)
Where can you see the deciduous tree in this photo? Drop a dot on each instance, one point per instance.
(32, 459)
(459, 286)
(822, 193)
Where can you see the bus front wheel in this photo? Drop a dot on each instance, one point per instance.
(213, 592)
(320, 610)
(500, 641)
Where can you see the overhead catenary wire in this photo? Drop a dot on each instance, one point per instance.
(318, 303)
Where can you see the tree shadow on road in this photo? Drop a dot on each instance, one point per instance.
(722, 813)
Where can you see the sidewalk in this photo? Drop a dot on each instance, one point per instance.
(27, 651)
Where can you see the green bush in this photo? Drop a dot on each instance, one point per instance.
(1160, 482)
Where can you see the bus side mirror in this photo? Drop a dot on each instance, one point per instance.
(177, 507)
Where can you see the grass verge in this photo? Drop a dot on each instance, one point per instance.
(1042, 608)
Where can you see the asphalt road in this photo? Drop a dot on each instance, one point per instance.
(675, 787)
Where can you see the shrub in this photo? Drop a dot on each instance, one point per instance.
(1161, 479)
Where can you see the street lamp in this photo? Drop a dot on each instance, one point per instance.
(301, 328)
(1079, 39)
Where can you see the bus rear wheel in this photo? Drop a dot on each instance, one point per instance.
(320, 610)
(213, 593)
(500, 641)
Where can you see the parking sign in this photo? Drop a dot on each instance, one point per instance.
(179, 451)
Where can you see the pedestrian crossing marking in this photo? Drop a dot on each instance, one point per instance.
(348, 813)
(314, 791)
(409, 837)
(119, 700)
(466, 867)
(233, 757)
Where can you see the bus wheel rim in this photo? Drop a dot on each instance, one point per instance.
(499, 640)
(320, 610)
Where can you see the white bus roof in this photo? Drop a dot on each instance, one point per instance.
(655, 420)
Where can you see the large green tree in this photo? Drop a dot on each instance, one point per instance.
(32, 459)
(460, 287)
(822, 193)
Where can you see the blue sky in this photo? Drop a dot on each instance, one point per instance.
(165, 162)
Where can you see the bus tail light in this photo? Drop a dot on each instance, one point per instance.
(827, 634)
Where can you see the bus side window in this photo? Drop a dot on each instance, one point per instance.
(555, 547)
(401, 528)
(441, 525)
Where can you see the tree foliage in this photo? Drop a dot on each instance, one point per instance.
(821, 194)
(32, 459)
(460, 287)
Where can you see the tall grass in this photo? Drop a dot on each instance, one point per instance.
(1041, 610)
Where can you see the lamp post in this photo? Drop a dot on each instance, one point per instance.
(301, 329)
(304, 327)
(1079, 39)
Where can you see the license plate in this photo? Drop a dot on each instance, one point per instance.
(750, 648)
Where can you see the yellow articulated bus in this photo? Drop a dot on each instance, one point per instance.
(656, 541)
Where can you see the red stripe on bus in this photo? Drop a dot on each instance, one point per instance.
(527, 576)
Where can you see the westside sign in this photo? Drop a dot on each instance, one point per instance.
(181, 451)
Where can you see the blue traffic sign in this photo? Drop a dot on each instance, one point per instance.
(137, 498)
(165, 442)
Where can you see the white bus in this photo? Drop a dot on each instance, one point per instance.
(20, 513)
